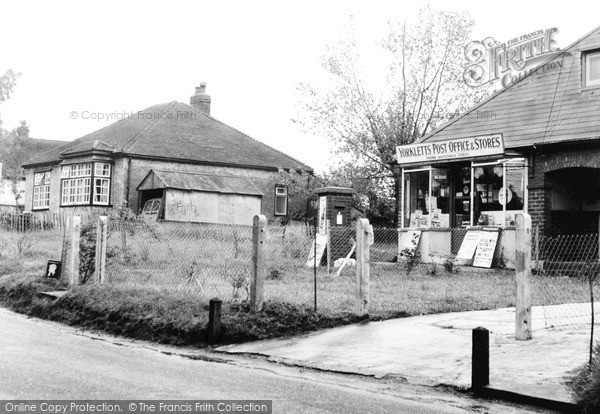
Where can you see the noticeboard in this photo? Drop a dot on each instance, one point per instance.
(484, 255)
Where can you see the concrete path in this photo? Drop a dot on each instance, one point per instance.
(436, 349)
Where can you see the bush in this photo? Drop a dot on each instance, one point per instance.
(586, 385)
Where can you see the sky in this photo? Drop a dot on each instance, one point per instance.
(89, 57)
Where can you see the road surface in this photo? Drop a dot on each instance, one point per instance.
(45, 360)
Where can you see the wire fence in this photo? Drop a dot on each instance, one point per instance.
(441, 270)
(291, 274)
(411, 271)
(215, 260)
(207, 259)
(566, 272)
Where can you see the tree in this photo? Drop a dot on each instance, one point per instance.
(423, 89)
(14, 148)
(7, 84)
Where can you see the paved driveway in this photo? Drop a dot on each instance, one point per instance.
(436, 349)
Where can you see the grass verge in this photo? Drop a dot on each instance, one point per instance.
(585, 384)
(148, 314)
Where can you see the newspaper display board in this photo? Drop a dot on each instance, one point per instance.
(469, 245)
(484, 255)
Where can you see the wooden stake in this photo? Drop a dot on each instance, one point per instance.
(523, 273)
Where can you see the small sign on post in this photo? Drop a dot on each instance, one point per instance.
(53, 269)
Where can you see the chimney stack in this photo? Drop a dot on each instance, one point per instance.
(201, 101)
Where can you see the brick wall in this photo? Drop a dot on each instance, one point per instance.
(540, 178)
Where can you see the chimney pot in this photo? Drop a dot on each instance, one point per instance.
(201, 88)
(200, 100)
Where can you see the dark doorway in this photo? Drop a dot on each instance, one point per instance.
(575, 200)
(146, 195)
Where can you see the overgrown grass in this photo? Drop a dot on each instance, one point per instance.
(585, 385)
(165, 317)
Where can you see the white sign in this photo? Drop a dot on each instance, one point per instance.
(504, 196)
(485, 249)
(430, 152)
(408, 243)
(321, 245)
(468, 245)
(322, 214)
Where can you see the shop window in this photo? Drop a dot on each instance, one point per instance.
(85, 184)
(440, 200)
(416, 197)
(499, 192)
(592, 69)
(41, 190)
(426, 198)
(281, 200)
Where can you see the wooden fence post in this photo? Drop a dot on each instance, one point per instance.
(70, 254)
(523, 273)
(480, 358)
(214, 321)
(364, 238)
(328, 235)
(259, 240)
(101, 236)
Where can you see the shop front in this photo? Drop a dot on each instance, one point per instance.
(451, 187)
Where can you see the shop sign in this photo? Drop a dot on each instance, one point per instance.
(430, 152)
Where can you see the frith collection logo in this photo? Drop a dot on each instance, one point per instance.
(490, 61)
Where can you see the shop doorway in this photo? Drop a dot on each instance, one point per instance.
(575, 200)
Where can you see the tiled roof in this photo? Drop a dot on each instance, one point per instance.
(175, 130)
(544, 107)
(157, 179)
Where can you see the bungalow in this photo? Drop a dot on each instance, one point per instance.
(172, 155)
(12, 182)
(537, 149)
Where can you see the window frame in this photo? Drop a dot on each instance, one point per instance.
(277, 196)
(587, 83)
(43, 189)
(78, 184)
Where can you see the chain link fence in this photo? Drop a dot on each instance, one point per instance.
(411, 271)
(421, 271)
(211, 260)
(215, 260)
(291, 275)
(566, 271)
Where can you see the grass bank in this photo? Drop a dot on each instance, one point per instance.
(163, 317)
